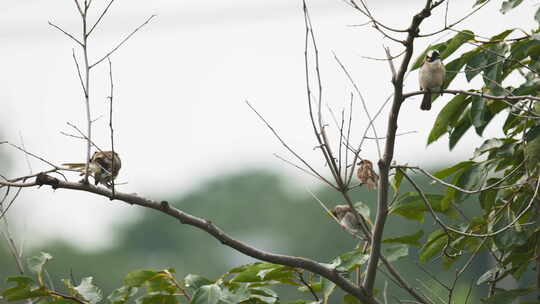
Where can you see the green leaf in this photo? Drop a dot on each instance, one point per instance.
(157, 299)
(411, 205)
(89, 291)
(488, 145)
(350, 299)
(238, 295)
(532, 148)
(397, 179)
(508, 5)
(411, 239)
(471, 178)
(493, 70)
(533, 133)
(458, 40)
(21, 280)
(138, 277)
(396, 252)
(350, 260)
(455, 66)
(508, 296)
(502, 35)
(328, 288)
(194, 282)
(448, 116)
(451, 170)
(518, 50)
(487, 276)
(122, 295)
(436, 242)
(478, 2)
(25, 289)
(480, 114)
(20, 293)
(260, 272)
(487, 198)
(208, 294)
(463, 124)
(537, 15)
(263, 291)
(475, 65)
(264, 299)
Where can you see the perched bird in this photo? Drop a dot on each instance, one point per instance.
(431, 77)
(104, 167)
(346, 218)
(367, 175)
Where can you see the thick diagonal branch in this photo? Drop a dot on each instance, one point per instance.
(206, 225)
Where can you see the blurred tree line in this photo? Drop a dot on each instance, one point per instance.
(263, 208)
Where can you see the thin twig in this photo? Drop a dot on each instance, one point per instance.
(67, 297)
(122, 42)
(100, 17)
(363, 102)
(66, 33)
(31, 154)
(78, 71)
(25, 155)
(111, 98)
(303, 281)
(449, 185)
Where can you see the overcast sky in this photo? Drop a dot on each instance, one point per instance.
(180, 87)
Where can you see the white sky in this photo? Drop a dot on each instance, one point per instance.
(180, 87)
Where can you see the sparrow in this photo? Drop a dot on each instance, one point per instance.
(431, 77)
(346, 218)
(104, 167)
(367, 175)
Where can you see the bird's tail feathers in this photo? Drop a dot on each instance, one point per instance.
(426, 102)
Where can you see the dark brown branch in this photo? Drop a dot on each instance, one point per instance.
(303, 281)
(385, 162)
(67, 297)
(78, 7)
